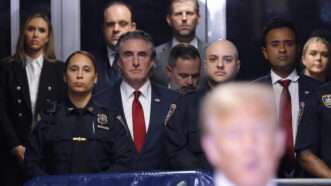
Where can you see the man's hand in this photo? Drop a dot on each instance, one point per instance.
(19, 152)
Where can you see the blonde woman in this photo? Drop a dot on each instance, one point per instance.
(315, 58)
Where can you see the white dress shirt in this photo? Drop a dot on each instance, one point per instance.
(33, 71)
(194, 42)
(221, 180)
(111, 56)
(294, 91)
(145, 100)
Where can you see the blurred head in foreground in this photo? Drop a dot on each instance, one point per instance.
(241, 136)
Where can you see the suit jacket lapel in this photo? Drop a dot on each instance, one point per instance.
(22, 81)
(44, 87)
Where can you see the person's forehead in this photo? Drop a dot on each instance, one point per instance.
(282, 33)
(183, 5)
(317, 45)
(79, 59)
(221, 49)
(135, 43)
(117, 11)
(186, 64)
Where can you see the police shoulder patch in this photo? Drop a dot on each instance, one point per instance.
(327, 100)
(102, 118)
(171, 111)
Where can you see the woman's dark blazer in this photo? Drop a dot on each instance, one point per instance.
(16, 123)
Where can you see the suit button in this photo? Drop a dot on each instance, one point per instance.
(20, 114)
(19, 101)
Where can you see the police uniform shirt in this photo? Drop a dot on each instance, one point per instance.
(145, 100)
(294, 92)
(74, 140)
(315, 126)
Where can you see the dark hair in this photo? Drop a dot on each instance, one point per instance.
(171, 2)
(184, 51)
(137, 34)
(117, 2)
(48, 50)
(276, 23)
(81, 52)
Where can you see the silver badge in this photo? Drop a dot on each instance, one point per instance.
(171, 112)
(49, 88)
(157, 100)
(327, 100)
(18, 88)
(102, 119)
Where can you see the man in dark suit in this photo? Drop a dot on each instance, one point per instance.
(117, 20)
(141, 104)
(183, 17)
(183, 146)
(280, 49)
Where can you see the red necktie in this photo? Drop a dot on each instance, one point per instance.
(139, 129)
(286, 121)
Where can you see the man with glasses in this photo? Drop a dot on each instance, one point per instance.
(183, 146)
(141, 105)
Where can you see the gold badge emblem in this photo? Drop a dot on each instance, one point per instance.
(171, 112)
(102, 119)
(327, 100)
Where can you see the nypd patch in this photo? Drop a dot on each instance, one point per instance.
(102, 119)
(327, 100)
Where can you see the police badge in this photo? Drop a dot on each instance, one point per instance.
(171, 111)
(327, 100)
(102, 119)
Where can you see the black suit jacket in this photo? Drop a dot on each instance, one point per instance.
(17, 119)
(152, 156)
(307, 86)
(107, 75)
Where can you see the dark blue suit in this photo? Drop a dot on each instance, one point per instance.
(152, 156)
(107, 75)
(307, 86)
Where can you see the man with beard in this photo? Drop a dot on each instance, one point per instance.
(183, 68)
(183, 17)
(183, 146)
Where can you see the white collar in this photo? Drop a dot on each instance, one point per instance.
(39, 60)
(128, 89)
(194, 42)
(293, 76)
(221, 180)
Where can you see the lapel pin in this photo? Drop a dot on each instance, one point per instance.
(49, 88)
(157, 100)
(307, 92)
(18, 88)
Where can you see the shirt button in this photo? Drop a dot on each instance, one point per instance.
(19, 101)
(20, 114)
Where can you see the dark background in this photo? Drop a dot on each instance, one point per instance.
(245, 21)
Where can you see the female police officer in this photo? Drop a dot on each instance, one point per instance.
(77, 136)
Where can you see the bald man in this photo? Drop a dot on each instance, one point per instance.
(243, 143)
(183, 140)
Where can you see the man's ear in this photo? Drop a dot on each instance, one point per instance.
(168, 19)
(133, 26)
(265, 53)
(169, 70)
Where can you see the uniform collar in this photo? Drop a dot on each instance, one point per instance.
(70, 107)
